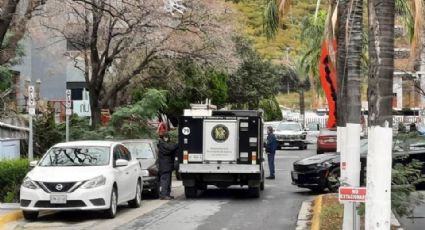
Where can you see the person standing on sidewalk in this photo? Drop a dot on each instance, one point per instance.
(167, 152)
(271, 147)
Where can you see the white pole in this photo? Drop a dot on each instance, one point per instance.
(67, 128)
(352, 157)
(30, 141)
(342, 149)
(379, 163)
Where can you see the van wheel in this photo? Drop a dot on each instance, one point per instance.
(137, 201)
(254, 192)
(112, 210)
(190, 192)
(31, 216)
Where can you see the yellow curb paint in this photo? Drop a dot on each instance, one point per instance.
(10, 217)
(317, 209)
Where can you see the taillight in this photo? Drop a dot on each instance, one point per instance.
(185, 157)
(254, 158)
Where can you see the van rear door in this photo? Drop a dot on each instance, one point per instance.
(220, 140)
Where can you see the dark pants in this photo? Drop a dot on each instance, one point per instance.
(270, 158)
(165, 184)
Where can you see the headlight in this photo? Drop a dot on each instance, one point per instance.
(28, 183)
(325, 164)
(95, 182)
(145, 172)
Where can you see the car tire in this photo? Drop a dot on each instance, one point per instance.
(254, 192)
(30, 215)
(317, 189)
(262, 181)
(190, 192)
(332, 180)
(319, 152)
(137, 201)
(155, 190)
(111, 212)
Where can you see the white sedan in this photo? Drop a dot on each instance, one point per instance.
(84, 175)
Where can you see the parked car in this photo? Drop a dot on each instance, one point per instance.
(291, 134)
(322, 172)
(83, 175)
(326, 141)
(313, 130)
(146, 151)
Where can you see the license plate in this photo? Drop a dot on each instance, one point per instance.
(58, 198)
(295, 175)
(195, 157)
(286, 144)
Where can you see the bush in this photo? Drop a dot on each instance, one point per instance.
(12, 172)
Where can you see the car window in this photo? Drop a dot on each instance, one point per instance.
(289, 126)
(141, 150)
(76, 156)
(313, 127)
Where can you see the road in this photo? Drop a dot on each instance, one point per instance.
(228, 209)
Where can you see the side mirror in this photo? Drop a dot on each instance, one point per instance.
(121, 163)
(33, 163)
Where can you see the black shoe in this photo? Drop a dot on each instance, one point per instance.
(270, 178)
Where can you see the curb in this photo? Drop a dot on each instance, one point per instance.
(317, 209)
(304, 216)
(10, 217)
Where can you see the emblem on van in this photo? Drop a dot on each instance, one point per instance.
(220, 133)
(59, 187)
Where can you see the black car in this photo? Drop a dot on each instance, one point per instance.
(146, 152)
(322, 172)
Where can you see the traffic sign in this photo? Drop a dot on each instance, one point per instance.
(68, 99)
(31, 100)
(352, 194)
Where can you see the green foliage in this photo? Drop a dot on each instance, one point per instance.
(404, 180)
(218, 88)
(6, 77)
(46, 132)
(12, 172)
(255, 78)
(271, 109)
(132, 121)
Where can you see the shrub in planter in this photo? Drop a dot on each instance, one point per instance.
(12, 172)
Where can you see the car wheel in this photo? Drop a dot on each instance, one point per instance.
(29, 215)
(112, 211)
(262, 182)
(155, 190)
(190, 192)
(254, 192)
(319, 152)
(333, 179)
(318, 189)
(137, 201)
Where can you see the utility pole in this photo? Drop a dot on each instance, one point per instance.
(31, 112)
(68, 112)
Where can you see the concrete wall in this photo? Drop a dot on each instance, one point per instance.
(9, 149)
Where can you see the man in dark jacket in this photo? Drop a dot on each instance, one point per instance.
(167, 152)
(271, 147)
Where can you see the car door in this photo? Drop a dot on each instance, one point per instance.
(122, 176)
(133, 170)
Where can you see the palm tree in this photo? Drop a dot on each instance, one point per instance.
(380, 93)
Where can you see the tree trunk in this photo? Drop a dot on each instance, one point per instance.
(341, 67)
(380, 94)
(302, 105)
(95, 109)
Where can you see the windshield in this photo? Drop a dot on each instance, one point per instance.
(289, 126)
(140, 150)
(76, 156)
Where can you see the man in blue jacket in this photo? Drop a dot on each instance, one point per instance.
(271, 147)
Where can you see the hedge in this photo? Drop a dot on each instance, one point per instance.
(12, 172)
